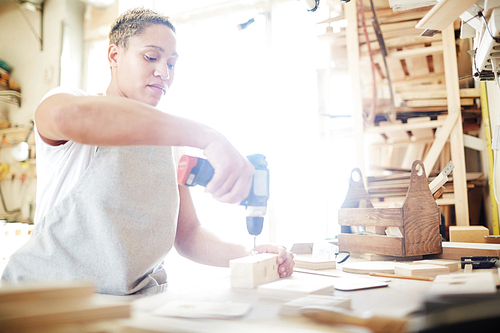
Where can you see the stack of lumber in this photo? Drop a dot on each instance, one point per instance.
(57, 307)
(385, 189)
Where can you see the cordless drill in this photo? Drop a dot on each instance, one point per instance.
(198, 171)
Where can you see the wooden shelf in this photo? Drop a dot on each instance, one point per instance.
(11, 97)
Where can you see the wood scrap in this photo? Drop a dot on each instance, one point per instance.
(457, 250)
(369, 267)
(453, 265)
(464, 283)
(468, 234)
(292, 308)
(55, 307)
(310, 262)
(202, 309)
(290, 288)
(427, 270)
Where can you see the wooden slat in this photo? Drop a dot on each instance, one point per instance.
(384, 245)
(456, 136)
(436, 102)
(389, 217)
(405, 127)
(443, 14)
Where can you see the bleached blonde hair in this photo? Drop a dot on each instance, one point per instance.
(133, 22)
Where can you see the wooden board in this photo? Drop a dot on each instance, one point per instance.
(292, 308)
(427, 270)
(34, 318)
(464, 283)
(353, 284)
(384, 245)
(453, 265)
(290, 288)
(199, 309)
(369, 267)
(252, 271)
(310, 262)
(456, 250)
(443, 14)
(30, 292)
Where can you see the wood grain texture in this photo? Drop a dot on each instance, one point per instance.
(391, 246)
(421, 216)
(356, 192)
(389, 217)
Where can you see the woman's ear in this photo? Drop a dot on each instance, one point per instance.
(113, 55)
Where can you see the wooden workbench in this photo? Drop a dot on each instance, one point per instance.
(212, 284)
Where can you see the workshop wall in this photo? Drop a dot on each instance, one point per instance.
(36, 71)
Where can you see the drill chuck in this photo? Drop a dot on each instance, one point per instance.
(255, 224)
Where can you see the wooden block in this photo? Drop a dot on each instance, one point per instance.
(420, 270)
(464, 283)
(468, 234)
(252, 271)
(309, 262)
(290, 288)
(292, 308)
(453, 265)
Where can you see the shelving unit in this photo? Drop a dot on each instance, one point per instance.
(429, 99)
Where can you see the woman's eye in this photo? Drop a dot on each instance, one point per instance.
(149, 58)
(171, 66)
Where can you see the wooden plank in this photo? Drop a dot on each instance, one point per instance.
(441, 138)
(367, 267)
(310, 262)
(456, 250)
(437, 102)
(436, 93)
(453, 265)
(292, 308)
(456, 136)
(388, 217)
(443, 14)
(385, 245)
(290, 288)
(30, 292)
(465, 283)
(351, 14)
(252, 271)
(66, 313)
(406, 127)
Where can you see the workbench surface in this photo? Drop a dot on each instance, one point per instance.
(398, 299)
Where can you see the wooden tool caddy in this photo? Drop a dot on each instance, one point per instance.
(418, 220)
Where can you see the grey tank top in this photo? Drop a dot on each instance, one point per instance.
(114, 228)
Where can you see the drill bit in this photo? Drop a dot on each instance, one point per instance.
(254, 252)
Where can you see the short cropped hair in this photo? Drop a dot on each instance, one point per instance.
(133, 22)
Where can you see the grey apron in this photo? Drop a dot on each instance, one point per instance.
(114, 228)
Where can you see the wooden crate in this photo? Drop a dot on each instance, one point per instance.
(418, 219)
